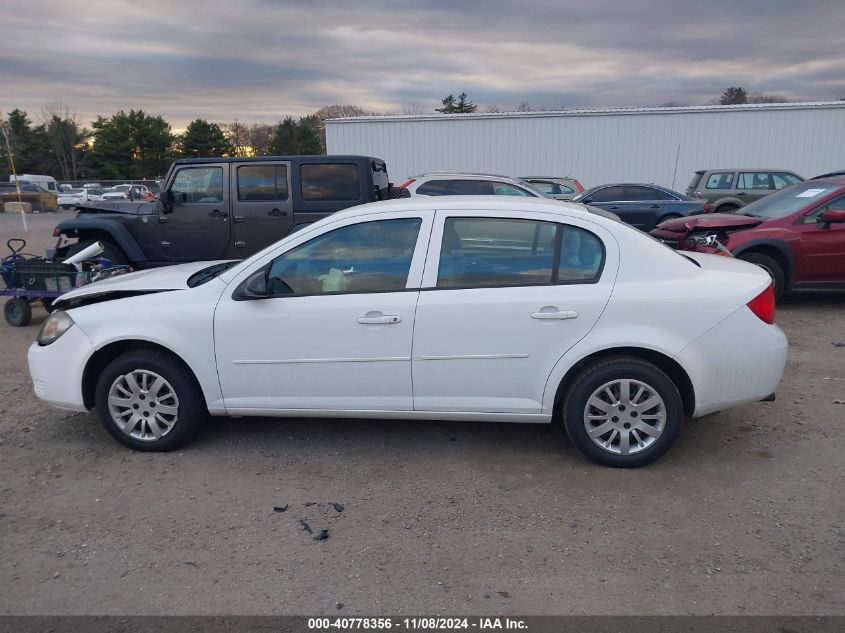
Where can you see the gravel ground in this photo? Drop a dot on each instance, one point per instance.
(744, 516)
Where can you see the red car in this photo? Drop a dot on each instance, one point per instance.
(796, 234)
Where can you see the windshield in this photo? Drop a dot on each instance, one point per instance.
(787, 201)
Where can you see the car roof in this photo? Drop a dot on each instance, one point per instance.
(316, 158)
(547, 178)
(834, 180)
(462, 174)
(458, 203)
(776, 169)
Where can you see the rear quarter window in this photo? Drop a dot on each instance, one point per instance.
(330, 181)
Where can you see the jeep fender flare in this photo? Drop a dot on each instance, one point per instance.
(779, 246)
(119, 234)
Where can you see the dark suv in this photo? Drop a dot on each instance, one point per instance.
(225, 208)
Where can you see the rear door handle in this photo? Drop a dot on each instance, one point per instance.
(655, 206)
(376, 318)
(613, 207)
(559, 315)
(742, 193)
(217, 213)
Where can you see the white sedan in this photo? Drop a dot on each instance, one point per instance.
(470, 308)
(70, 198)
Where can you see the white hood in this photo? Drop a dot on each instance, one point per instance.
(150, 280)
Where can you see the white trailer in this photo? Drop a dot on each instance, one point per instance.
(661, 145)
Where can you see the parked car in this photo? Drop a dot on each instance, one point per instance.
(469, 184)
(553, 187)
(40, 199)
(797, 235)
(128, 192)
(726, 190)
(828, 175)
(641, 205)
(48, 183)
(72, 198)
(487, 308)
(213, 208)
(460, 184)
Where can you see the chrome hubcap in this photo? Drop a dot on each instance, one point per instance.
(625, 416)
(143, 405)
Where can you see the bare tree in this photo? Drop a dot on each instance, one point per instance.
(493, 108)
(66, 137)
(758, 97)
(238, 135)
(260, 136)
(415, 109)
(525, 107)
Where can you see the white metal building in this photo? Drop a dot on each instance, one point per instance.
(660, 145)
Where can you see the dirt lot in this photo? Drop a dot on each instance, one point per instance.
(746, 515)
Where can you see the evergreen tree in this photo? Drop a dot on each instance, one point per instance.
(203, 139)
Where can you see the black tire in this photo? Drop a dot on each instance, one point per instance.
(394, 193)
(191, 411)
(606, 371)
(771, 266)
(111, 251)
(17, 311)
(726, 208)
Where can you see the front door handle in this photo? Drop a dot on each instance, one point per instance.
(613, 207)
(217, 213)
(742, 193)
(376, 318)
(544, 315)
(655, 206)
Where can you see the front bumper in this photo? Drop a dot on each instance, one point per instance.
(56, 369)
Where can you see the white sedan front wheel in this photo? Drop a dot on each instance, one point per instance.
(149, 401)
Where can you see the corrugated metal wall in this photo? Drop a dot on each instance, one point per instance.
(604, 146)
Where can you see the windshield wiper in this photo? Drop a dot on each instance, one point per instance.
(206, 274)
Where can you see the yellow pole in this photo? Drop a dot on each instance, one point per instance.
(5, 130)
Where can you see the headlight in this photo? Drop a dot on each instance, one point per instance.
(56, 324)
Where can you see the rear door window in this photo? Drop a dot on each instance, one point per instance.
(608, 194)
(470, 188)
(643, 193)
(262, 182)
(754, 180)
(330, 181)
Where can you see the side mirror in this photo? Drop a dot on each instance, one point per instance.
(165, 201)
(832, 216)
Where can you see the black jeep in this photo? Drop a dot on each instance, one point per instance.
(225, 208)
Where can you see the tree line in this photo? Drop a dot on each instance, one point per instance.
(136, 145)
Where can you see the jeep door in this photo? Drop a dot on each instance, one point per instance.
(197, 226)
(262, 208)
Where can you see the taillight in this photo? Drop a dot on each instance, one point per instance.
(763, 305)
(405, 186)
(708, 208)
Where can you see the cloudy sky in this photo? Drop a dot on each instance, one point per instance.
(258, 60)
